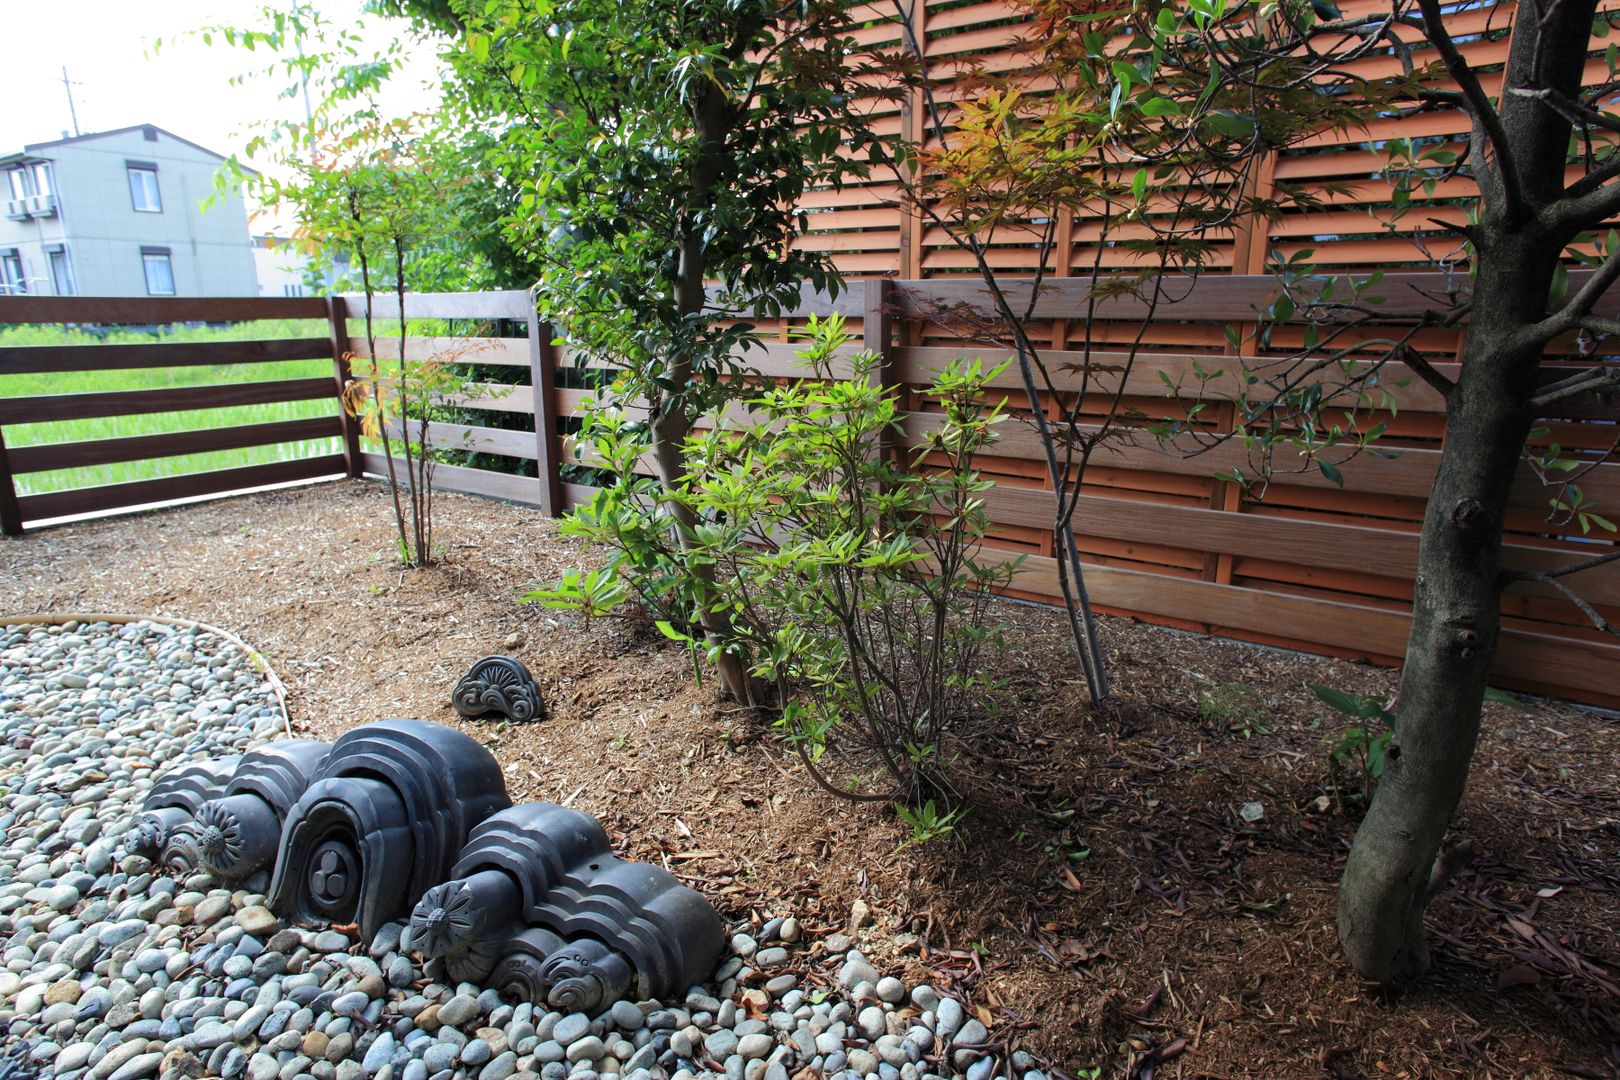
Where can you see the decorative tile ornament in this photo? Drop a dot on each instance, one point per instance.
(499, 685)
(404, 817)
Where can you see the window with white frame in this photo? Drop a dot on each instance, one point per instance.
(42, 179)
(18, 179)
(159, 271)
(143, 187)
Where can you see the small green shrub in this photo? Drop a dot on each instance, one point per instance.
(927, 822)
(1235, 706)
(1361, 745)
(842, 575)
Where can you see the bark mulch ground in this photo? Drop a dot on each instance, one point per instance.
(1106, 905)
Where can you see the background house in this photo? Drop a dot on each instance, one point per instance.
(119, 213)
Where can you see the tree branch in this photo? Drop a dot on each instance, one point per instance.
(1479, 103)
(1551, 580)
(1595, 380)
(1546, 576)
(1426, 371)
(1579, 307)
(1594, 179)
(1586, 212)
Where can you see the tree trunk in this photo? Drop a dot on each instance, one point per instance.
(1391, 873)
(1396, 866)
(673, 423)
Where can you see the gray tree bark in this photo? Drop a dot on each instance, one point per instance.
(1396, 865)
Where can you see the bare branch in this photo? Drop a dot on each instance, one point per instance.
(1599, 325)
(1426, 371)
(1594, 179)
(1575, 312)
(1545, 576)
(1586, 211)
(1575, 112)
(1595, 380)
(1479, 103)
(1575, 598)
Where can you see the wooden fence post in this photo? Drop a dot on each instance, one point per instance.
(542, 382)
(337, 321)
(877, 333)
(10, 516)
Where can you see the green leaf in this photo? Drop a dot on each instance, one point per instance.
(1560, 287)
(1331, 471)
(1160, 106)
(1360, 706)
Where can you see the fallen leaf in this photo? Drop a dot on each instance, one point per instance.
(1517, 975)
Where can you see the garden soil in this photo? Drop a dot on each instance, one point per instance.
(1145, 892)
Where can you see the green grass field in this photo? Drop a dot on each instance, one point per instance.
(157, 423)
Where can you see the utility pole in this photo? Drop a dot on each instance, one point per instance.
(73, 111)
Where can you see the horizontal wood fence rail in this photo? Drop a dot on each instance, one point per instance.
(302, 442)
(152, 310)
(1312, 564)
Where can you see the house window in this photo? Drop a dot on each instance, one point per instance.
(42, 179)
(143, 188)
(159, 271)
(19, 183)
(11, 273)
(61, 272)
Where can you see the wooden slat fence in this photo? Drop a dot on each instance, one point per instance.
(303, 443)
(532, 361)
(1309, 565)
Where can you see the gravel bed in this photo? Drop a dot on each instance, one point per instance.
(113, 973)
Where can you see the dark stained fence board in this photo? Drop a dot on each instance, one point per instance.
(141, 310)
(542, 383)
(167, 489)
(10, 517)
(174, 399)
(337, 316)
(26, 459)
(36, 359)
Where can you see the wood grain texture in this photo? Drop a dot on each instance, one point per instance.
(90, 500)
(65, 359)
(29, 410)
(141, 310)
(90, 453)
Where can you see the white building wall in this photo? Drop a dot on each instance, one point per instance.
(210, 249)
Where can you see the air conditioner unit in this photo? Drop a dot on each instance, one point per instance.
(17, 209)
(41, 206)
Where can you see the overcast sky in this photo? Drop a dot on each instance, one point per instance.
(184, 88)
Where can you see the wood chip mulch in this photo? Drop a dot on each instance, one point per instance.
(1106, 905)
